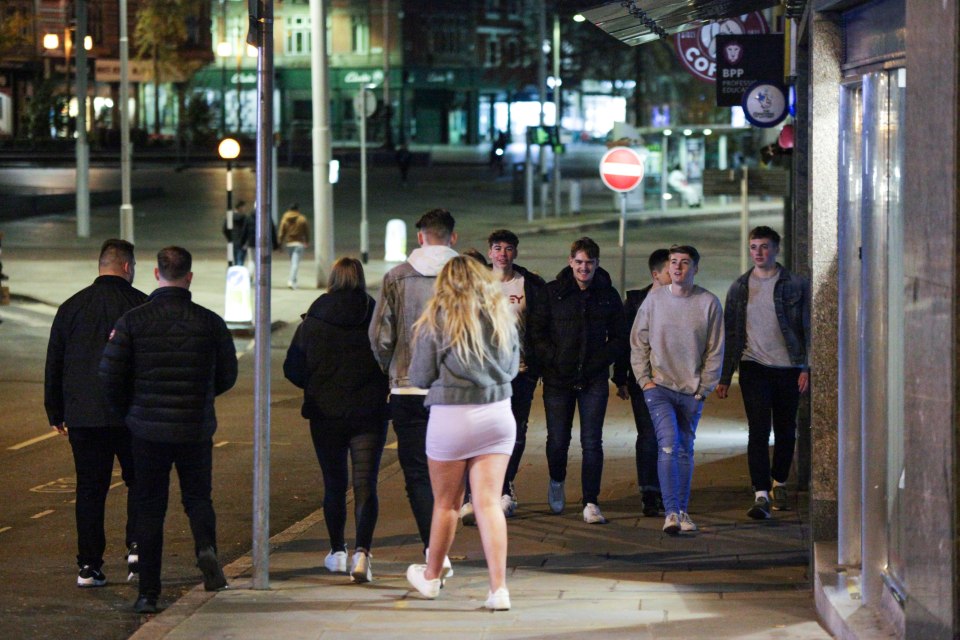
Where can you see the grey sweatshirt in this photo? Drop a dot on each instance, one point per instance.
(677, 342)
(451, 381)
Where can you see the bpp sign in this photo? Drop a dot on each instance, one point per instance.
(697, 48)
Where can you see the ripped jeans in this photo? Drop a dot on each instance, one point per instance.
(675, 416)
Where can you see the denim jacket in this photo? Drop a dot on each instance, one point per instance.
(791, 300)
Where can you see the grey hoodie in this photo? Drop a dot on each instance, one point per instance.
(405, 292)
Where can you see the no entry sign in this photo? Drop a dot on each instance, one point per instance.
(621, 169)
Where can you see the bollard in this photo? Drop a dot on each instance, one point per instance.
(395, 241)
(237, 309)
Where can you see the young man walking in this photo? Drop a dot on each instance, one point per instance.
(404, 294)
(578, 331)
(767, 324)
(646, 446)
(676, 354)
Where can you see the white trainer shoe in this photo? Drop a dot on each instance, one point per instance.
(466, 514)
(498, 600)
(671, 524)
(429, 589)
(336, 562)
(686, 524)
(592, 515)
(360, 569)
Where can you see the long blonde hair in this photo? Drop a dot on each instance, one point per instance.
(465, 298)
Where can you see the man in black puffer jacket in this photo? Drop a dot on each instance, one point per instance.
(163, 365)
(578, 331)
(77, 408)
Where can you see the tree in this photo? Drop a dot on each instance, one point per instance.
(159, 34)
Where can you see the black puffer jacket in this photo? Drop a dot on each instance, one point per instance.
(330, 358)
(72, 393)
(577, 334)
(165, 363)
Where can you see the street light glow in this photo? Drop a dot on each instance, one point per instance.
(228, 149)
(579, 18)
(87, 43)
(688, 132)
(224, 49)
(51, 41)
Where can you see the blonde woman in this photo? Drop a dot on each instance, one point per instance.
(466, 352)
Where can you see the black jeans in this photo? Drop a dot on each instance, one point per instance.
(523, 387)
(364, 441)
(93, 452)
(646, 447)
(153, 460)
(770, 396)
(560, 403)
(410, 418)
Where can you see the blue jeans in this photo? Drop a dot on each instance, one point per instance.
(296, 253)
(410, 418)
(559, 404)
(675, 416)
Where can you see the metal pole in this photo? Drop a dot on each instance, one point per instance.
(557, 106)
(387, 111)
(744, 221)
(623, 243)
(83, 149)
(528, 179)
(322, 190)
(126, 205)
(664, 170)
(542, 84)
(364, 223)
(229, 214)
(261, 424)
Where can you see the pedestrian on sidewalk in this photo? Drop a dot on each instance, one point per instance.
(676, 354)
(521, 287)
(404, 294)
(578, 331)
(345, 400)
(250, 239)
(236, 233)
(163, 365)
(295, 237)
(646, 446)
(767, 325)
(77, 407)
(466, 351)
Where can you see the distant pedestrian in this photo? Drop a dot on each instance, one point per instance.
(345, 400)
(646, 447)
(767, 323)
(466, 351)
(404, 160)
(404, 295)
(476, 255)
(165, 362)
(522, 288)
(77, 407)
(578, 331)
(676, 354)
(294, 237)
(236, 232)
(250, 239)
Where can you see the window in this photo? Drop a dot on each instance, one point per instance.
(359, 33)
(493, 54)
(297, 41)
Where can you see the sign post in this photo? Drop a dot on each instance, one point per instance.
(621, 169)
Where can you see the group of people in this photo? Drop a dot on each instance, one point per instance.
(240, 230)
(451, 352)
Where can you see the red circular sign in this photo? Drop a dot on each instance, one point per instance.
(697, 48)
(621, 169)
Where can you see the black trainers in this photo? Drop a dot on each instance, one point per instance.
(90, 577)
(145, 604)
(133, 561)
(779, 498)
(213, 578)
(651, 504)
(760, 509)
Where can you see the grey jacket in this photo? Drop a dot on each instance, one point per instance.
(451, 381)
(403, 296)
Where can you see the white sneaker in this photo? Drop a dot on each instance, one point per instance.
(336, 562)
(671, 524)
(592, 515)
(466, 514)
(686, 524)
(427, 588)
(508, 504)
(498, 600)
(446, 571)
(360, 570)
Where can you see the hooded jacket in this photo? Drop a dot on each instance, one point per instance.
(578, 333)
(403, 296)
(342, 378)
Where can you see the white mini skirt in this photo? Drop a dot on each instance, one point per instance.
(464, 431)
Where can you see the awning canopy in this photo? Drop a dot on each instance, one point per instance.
(638, 21)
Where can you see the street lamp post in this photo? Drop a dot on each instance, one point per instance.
(83, 148)
(126, 204)
(229, 149)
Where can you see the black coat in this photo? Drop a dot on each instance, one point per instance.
(72, 391)
(631, 306)
(577, 334)
(165, 363)
(533, 286)
(330, 359)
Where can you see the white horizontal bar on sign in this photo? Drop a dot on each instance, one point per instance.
(621, 169)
